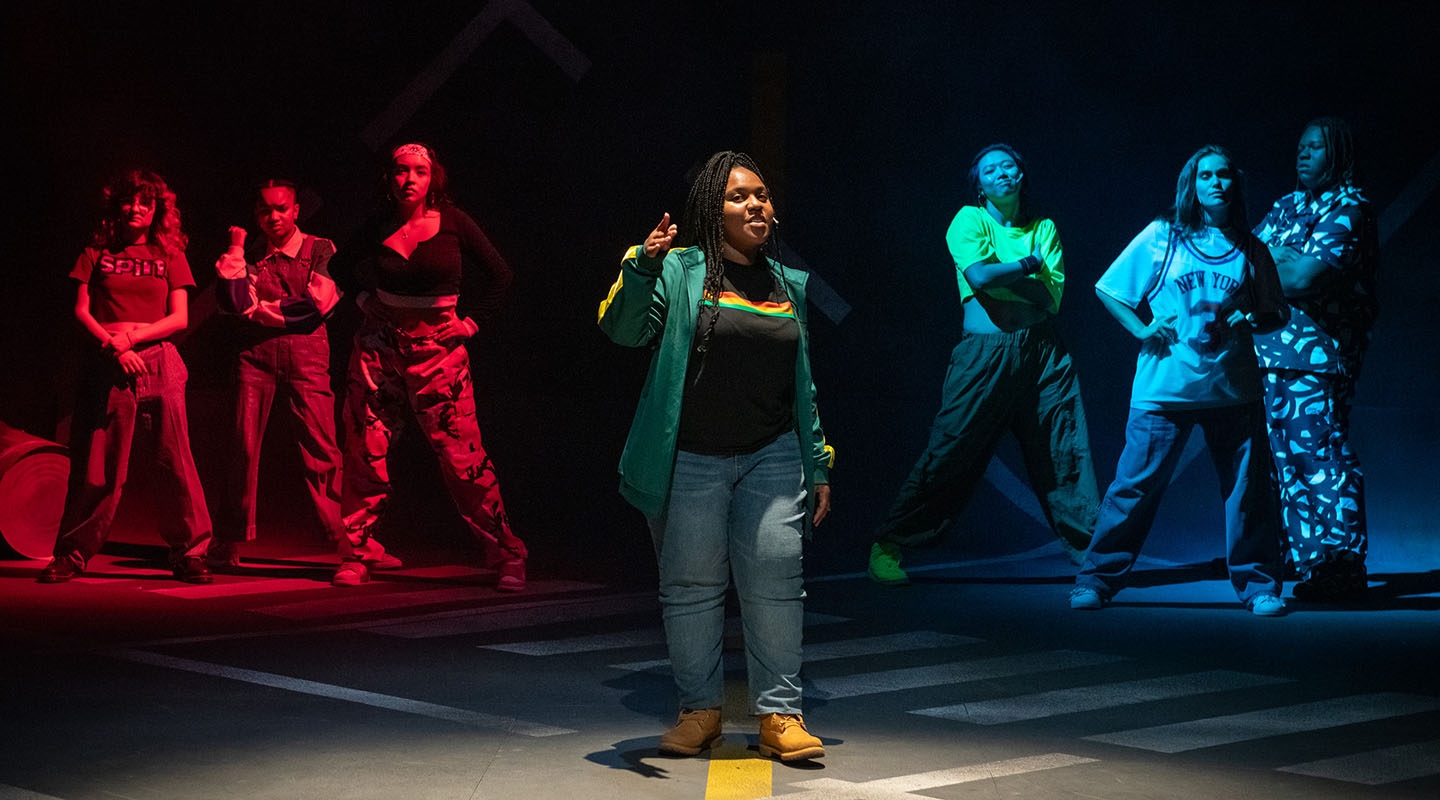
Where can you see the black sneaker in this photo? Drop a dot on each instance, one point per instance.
(59, 570)
(1333, 582)
(192, 570)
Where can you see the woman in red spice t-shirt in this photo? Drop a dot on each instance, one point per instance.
(131, 296)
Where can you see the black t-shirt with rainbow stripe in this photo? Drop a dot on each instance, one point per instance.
(740, 392)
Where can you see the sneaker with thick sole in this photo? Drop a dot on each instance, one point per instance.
(384, 562)
(192, 570)
(1083, 598)
(351, 573)
(1266, 605)
(885, 564)
(59, 570)
(512, 576)
(694, 730)
(785, 737)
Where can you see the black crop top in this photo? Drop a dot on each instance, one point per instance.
(458, 260)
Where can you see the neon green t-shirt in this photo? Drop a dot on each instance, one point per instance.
(974, 237)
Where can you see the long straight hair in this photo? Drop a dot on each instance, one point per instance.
(1187, 216)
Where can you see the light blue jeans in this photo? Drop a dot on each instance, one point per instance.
(743, 515)
(1154, 441)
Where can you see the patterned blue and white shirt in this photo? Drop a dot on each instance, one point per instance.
(1329, 328)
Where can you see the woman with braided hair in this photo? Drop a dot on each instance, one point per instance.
(725, 457)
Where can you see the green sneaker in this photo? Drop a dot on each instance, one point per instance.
(885, 564)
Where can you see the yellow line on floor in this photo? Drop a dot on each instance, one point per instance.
(736, 773)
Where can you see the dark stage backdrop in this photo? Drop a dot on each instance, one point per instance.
(567, 127)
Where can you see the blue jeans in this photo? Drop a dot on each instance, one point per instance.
(743, 514)
(1154, 440)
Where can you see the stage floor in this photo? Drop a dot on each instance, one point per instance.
(974, 681)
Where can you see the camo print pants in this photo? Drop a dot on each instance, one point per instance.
(390, 376)
(1322, 490)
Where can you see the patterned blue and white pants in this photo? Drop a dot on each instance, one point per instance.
(1322, 490)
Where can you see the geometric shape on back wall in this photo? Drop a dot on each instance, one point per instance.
(429, 80)
(1405, 204)
(999, 475)
(1015, 489)
(819, 293)
(309, 203)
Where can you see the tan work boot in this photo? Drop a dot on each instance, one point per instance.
(784, 736)
(695, 730)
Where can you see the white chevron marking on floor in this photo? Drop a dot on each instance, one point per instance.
(385, 701)
(905, 786)
(1231, 728)
(894, 680)
(348, 601)
(843, 648)
(512, 617)
(16, 793)
(582, 644)
(1377, 767)
(885, 643)
(1091, 698)
(633, 638)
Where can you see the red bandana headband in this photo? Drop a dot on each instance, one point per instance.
(412, 150)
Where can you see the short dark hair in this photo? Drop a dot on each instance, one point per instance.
(978, 196)
(277, 183)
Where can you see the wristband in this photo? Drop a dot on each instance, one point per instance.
(1031, 264)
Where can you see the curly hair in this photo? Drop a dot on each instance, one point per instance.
(141, 184)
(1187, 217)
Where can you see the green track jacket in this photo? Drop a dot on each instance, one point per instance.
(636, 314)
